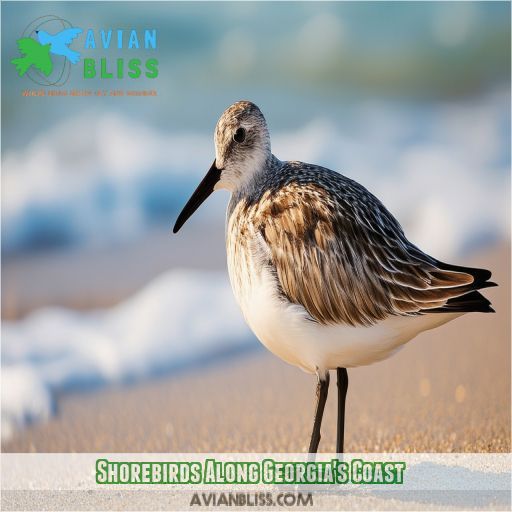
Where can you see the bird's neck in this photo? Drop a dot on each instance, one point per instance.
(257, 177)
(252, 189)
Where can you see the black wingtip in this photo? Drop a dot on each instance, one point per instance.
(487, 284)
(472, 302)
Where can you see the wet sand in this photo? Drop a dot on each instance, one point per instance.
(85, 278)
(447, 390)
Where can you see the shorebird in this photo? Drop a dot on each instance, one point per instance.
(323, 273)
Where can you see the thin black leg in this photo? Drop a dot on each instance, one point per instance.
(322, 389)
(342, 395)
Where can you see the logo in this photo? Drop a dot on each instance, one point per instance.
(46, 53)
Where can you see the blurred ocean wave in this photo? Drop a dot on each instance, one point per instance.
(93, 180)
(442, 169)
(180, 318)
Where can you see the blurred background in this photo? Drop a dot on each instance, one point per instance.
(108, 319)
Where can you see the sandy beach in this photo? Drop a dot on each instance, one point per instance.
(448, 390)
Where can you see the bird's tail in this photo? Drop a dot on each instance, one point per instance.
(471, 300)
(22, 64)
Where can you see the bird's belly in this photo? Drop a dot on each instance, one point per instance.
(287, 331)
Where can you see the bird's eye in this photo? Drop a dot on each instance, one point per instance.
(239, 135)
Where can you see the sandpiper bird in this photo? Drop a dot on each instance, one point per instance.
(323, 273)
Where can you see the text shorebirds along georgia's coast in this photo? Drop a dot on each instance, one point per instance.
(323, 273)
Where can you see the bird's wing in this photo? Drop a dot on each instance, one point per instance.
(66, 36)
(339, 253)
(27, 45)
(44, 62)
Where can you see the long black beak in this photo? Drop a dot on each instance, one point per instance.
(200, 194)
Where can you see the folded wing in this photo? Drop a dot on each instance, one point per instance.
(339, 253)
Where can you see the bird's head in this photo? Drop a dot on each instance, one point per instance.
(242, 146)
(43, 37)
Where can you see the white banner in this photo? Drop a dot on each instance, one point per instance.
(171, 481)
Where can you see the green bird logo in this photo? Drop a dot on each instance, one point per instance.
(34, 54)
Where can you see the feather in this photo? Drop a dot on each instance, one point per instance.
(338, 252)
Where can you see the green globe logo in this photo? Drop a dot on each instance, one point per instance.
(46, 55)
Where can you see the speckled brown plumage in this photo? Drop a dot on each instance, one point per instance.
(337, 251)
